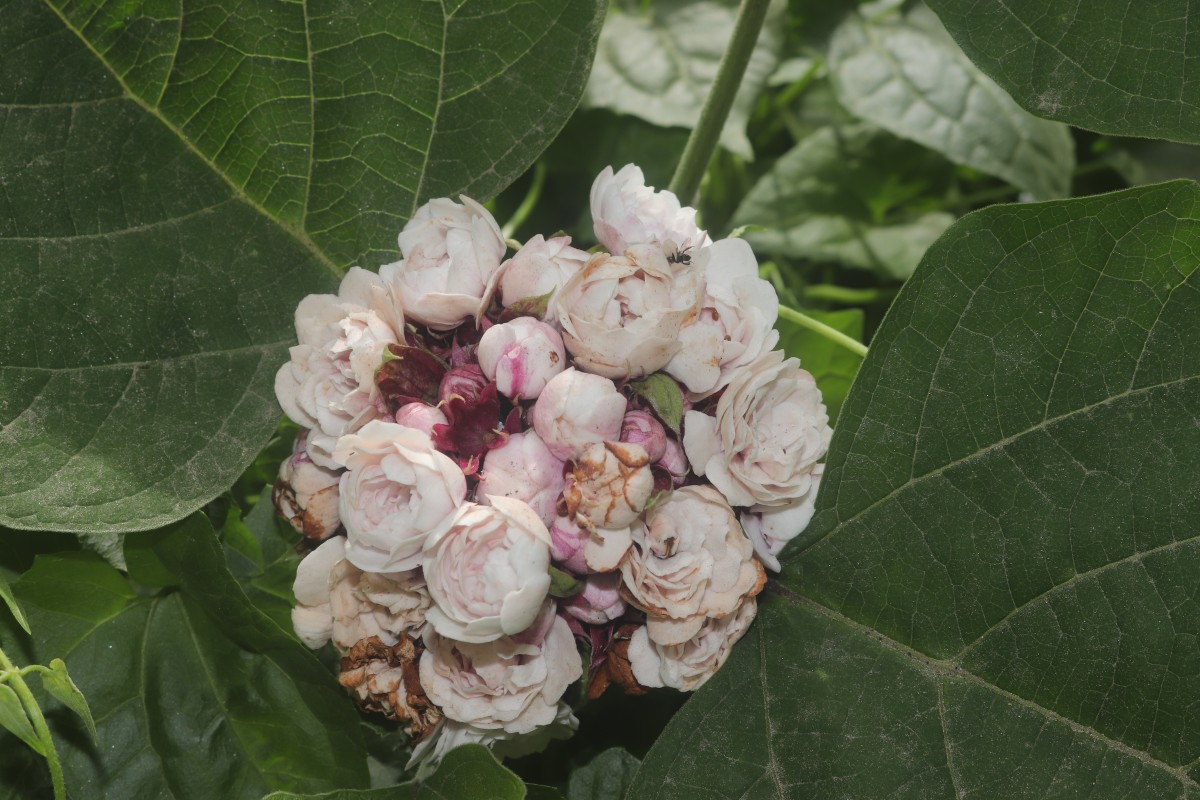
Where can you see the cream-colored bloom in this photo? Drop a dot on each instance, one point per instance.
(306, 494)
(621, 315)
(577, 409)
(511, 684)
(523, 468)
(770, 431)
(690, 560)
(770, 528)
(489, 572)
(688, 665)
(610, 485)
(540, 268)
(397, 491)
(627, 212)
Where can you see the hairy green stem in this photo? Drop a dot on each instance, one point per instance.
(831, 293)
(833, 334)
(703, 140)
(527, 205)
(17, 682)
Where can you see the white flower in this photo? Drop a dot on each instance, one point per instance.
(610, 485)
(621, 315)
(521, 356)
(338, 601)
(736, 324)
(688, 665)
(524, 469)
(575, 410)
(451, 256)
(770, 528)
(690, 560)
(306, 494)
(397, 491)
(421, 416)
(770, 430)
(488, 573)
(540, 268)
(511, 684)
(328, 385)
(627, 212)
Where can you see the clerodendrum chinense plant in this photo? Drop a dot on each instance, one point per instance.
(997, 595)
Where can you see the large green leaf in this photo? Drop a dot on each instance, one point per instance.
(177, 176)
(658, 60)
(1118, 66)
(997, 595)
(916, 83)
(195, 693)
(835, 197)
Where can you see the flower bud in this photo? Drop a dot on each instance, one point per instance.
(610, 484)
(577, 409)
(567, 541)
(524, 469)
(521, 356)
(420, 416)
(466, 381)
(640, 427)
(599, 602)
(674, 461)
(306, 495)
(540, 268)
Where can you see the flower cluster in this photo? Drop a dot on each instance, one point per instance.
(559, 467)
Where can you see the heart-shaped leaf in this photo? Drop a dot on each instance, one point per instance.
(1118, 66)
(997, 595)
(176, 177)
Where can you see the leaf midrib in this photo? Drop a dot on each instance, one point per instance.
(950, 668)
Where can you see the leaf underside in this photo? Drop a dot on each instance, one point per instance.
(175, 177)
(997, 595)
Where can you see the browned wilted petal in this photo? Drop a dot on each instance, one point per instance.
(387, 680)
(616, 668)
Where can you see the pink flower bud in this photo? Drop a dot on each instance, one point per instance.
(640, 427)
(599, 602)
(521, 356)
(610, 485)
(420, 416)
(522, 468)
(577, 409)
(674, 461)
(466, 381)
(540, 268)
(567, 541)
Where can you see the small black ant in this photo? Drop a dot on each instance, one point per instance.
(680, 257)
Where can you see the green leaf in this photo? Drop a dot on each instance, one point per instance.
(564, 584)
(664, 396)
(996, 596)
(658, 60)
(11, 602)
(1119, 66)
(267, 575)
(471, 771)
(14, 719)
(606, 777)
(831, 364)
(176, 178)
(195, 693)
(917, 84)
(57, 681)
(834, 197)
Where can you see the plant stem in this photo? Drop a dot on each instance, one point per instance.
(527, 205)
(834, 335)
(17, 682)
(703, 140)
(842, 295)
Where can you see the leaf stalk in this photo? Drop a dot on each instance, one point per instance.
(833, 334)
(15, 678)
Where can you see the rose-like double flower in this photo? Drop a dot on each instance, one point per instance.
(523, 468)
(770, 430)
(736, 324)
(627, 212)
(397, 491)
(452, 254)
(338, 601)
(539, 269)
(489, 572)
(770, 528)
(511, 684)
(688, 665)
(610, 485)
(621, 315)
(690, 560)
(328, 385)
(577, 409)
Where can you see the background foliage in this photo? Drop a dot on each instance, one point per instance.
(996, 598)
